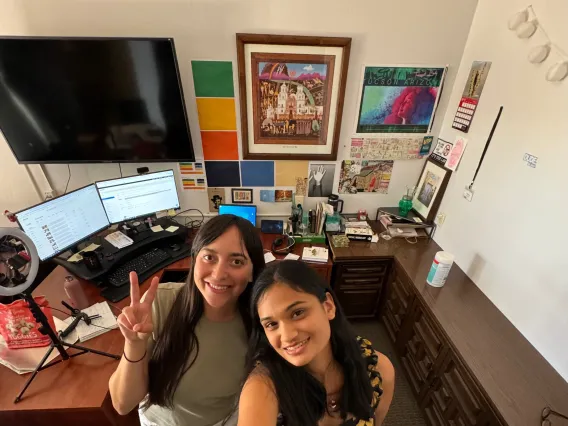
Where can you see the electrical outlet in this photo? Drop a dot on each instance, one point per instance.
(440, 219)
(48, 195)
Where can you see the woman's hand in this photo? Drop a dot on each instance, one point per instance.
(135, 321)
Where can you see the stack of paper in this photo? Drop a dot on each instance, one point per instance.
(98, 326)
(119, 240)
(315, 254)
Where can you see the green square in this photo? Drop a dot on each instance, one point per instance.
(213, 79)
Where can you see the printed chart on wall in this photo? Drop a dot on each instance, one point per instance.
(400, 147)
(192, 176)
(365, 176)
(471, 94)
(398, 99)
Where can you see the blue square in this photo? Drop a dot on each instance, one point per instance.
(257, 173)
(267, 195)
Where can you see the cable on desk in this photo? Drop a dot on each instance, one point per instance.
(100, 326)
(191, 223)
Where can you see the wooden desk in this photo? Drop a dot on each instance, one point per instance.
(76, 392)
(467, 364)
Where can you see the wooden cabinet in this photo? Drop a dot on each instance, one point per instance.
(358, 286)
(398, 300)
(446, 392)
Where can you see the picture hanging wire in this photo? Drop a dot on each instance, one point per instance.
(486, 146)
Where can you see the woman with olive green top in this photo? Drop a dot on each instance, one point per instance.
(185, 344)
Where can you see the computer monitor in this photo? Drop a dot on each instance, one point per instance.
(58, 224)
(136, 196)
(246, 212)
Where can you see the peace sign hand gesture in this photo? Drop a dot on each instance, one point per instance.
(135, 321)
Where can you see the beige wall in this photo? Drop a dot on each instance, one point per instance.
(383, 32)
(511, 239)
(16, 188)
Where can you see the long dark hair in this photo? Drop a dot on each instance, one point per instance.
(177, 347)
(301, 397)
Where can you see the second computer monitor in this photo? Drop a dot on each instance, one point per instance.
(58, 224)
(136, 196)
(246, 212)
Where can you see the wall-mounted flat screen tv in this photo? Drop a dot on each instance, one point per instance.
(91, 100)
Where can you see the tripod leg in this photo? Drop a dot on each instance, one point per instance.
(39, 366)
(94, 351)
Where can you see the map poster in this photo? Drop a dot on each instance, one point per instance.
(398, 99)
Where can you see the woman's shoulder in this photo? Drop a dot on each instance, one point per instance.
(163, 302)
(258, 398)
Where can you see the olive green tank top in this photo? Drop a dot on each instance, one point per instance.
(208, 391)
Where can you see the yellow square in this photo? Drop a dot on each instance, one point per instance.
(288, 171)
(216, 114)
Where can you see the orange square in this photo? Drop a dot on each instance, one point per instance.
(220, 145)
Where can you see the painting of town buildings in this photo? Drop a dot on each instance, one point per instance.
(291, 100)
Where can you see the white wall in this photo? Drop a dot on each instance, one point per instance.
(16, 187)
(511, 238)
(431, 32)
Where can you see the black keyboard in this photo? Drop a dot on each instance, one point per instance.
(140, 265)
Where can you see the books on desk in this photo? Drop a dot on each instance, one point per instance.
(106, 322)
(315, 254)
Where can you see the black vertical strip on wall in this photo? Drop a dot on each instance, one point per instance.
(487, 145)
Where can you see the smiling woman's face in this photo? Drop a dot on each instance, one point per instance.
(223, 269)
(296, 323)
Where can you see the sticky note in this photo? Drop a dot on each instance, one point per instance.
(291, 256)
(157, 228)
(220, 145)
(268, 257)
(172, 228)
(222, 173)
(213, 79)
(216, 114)
(257, 173)
(288, 171)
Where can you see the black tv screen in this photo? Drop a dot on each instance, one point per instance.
(89, 100)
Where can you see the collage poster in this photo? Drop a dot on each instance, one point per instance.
(365, 176)
(398, 99)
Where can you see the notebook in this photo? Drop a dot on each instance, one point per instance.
(107, 320)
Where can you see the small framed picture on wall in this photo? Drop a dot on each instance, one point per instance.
(430, 190)
(241, 196)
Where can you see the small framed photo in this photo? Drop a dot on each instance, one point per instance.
(241, 196)
(430, 190)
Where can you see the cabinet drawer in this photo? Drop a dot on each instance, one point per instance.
(359, 302)
(365, 268)
(463, 392)
(428, 334)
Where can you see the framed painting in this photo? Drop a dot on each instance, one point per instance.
(291, 95)
(241, 196)
(398, 99)
(430, 190)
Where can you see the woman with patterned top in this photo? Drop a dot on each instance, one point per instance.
(306, 366)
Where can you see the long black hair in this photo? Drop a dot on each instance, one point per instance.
(177, 347)
(301, 397)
